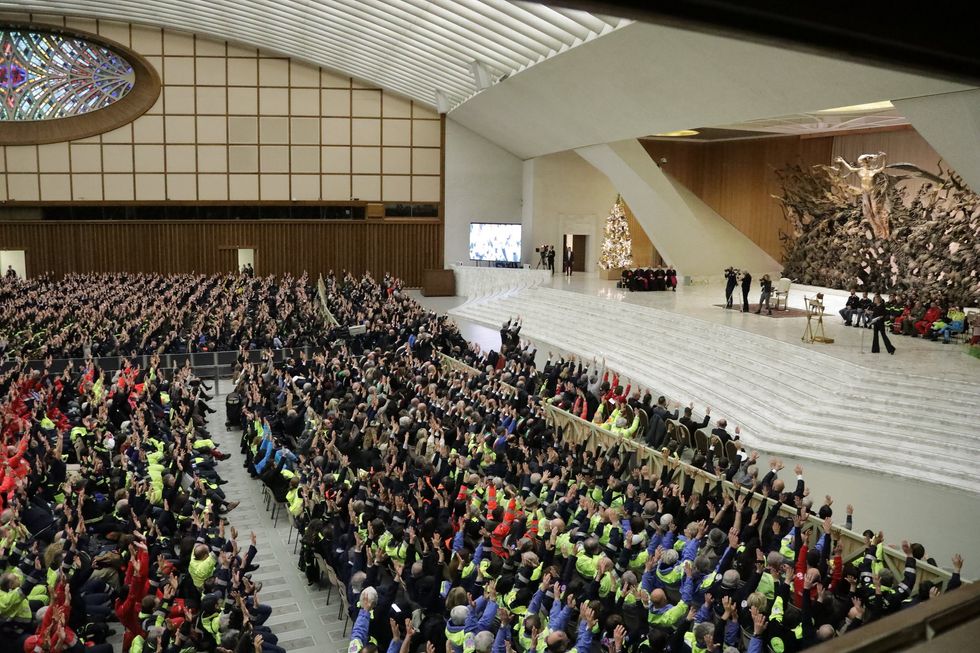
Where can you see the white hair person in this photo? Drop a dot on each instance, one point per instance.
(369, 598)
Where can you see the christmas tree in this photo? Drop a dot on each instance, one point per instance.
(617, 248)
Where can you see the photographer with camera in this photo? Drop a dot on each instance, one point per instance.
(765, 286)
(542, 251)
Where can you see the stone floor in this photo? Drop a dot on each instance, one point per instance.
(300, 615)
(915, 355)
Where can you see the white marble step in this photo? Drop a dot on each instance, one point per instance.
(782, 387)
(788, 399)
(820, 443)
(796, 377)
(791, 359)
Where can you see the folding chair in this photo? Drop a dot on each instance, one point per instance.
(716, 445)
(344, 601)
(701, 441)
(731, 451)
(322, 566)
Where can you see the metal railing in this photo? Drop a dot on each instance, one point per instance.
(577, 430)
(207, 364)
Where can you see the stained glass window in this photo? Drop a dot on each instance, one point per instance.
(44, 76)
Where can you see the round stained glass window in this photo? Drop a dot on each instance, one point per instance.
(46, 76)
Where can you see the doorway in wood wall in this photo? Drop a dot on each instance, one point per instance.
(578, 243)
(246, 256)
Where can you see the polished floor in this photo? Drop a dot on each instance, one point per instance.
(914, 355)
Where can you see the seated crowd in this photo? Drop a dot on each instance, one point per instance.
(909, 316)
(642, 279)
(112, 510)
(84, 315)
(459, 518)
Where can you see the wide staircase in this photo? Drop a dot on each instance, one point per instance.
(788, 400)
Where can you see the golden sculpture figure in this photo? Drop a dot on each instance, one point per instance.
(867, 168)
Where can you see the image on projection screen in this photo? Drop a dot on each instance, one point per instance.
(495, 242)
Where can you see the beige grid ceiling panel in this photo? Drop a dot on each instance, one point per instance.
(236, 123)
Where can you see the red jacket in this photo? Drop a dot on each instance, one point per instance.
(932, 314)
(611, 394)
(500, 533)
(128, 611)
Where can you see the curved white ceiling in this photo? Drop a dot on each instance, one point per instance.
(413, 47)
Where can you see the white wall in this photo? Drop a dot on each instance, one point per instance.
(645, 79)
(567, 195)
(14, 258)
(951, 124)
(483, 184)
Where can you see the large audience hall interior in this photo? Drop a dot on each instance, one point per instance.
(488, 326)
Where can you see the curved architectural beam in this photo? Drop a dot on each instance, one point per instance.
(647, 79)
(413, 47)
(951, 124)
(686, 231)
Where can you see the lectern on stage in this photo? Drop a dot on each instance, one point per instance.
(814, 321)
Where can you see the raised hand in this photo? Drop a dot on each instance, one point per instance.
(857, 609)
(957, 562)
(758, 622)
(619, 637)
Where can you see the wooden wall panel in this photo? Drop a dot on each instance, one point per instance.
(402, 248)
(740, 181)
(645, 255)
(685, 161)
(737, 178)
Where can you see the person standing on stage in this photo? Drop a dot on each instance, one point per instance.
(878, 315)
(765, 285)
(746, 286)
(551, 258)
(569, 259)
(731, 275)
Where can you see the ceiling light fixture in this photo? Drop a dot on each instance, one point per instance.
(859, 108)
(680, 132)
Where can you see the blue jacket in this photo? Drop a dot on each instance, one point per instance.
(359, 633)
